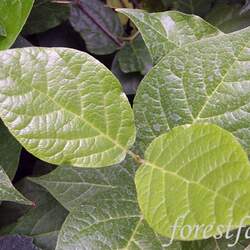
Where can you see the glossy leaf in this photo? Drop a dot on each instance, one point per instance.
(229, 18)
(204, 82)
(13, 15)
(189, 169)
(91, 23)
(166, 31)
(66, 108)
(41, 222)
(10, 151)
(8, 192)
(104, 209)
(134, 57)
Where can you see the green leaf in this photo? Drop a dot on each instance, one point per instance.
(198, 7)
(67, 108)
(204, 82)
(229, 17)
(134, 57)
(104, 208)
(41, 222)
(10, 151)
(13, 16)
(74, 187)
(91, 20)
(128, 81)
(46, 15)
(8, 192)
(3, 32)
(189, 169)
(166, 31)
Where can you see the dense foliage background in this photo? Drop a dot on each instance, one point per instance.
(94, 27)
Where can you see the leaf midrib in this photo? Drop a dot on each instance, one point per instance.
(236, 58)
(91, 125)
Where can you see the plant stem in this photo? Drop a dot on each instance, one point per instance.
(100, 26)
(136, 157)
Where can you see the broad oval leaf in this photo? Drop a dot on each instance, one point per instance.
(194, 177)
(165, 31)
(203, 82)
(65, 107)
(13, 15)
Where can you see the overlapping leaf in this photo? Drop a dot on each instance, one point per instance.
(134, 57)
(8, 192)
(41, 222)
(13, 15)
(65, 107)
(98, 25)
(204, 82)
(189, 169)
(103, 208)
(229, 18)
(166, 31)
(10, 151)
(46, 15)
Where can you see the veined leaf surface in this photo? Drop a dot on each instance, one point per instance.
(194, 177)
(65, 107)
(166, 31)
(204, 82)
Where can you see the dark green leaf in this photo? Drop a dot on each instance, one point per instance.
(85, 22)
(43, 221)
(10, 151)
(134, 57)
(229, 17)
(129, 81)
(46, 15)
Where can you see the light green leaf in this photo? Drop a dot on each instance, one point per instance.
(13, 16)
(41, 222)
(228, 17)
(91, 20)
(204, 82)
(193, 176)
(8, 192)
(65, 107)
(46, 15)
(134, 57)
(166, 31)
(104, 209)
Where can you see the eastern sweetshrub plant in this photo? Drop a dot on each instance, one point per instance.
(171, 173)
